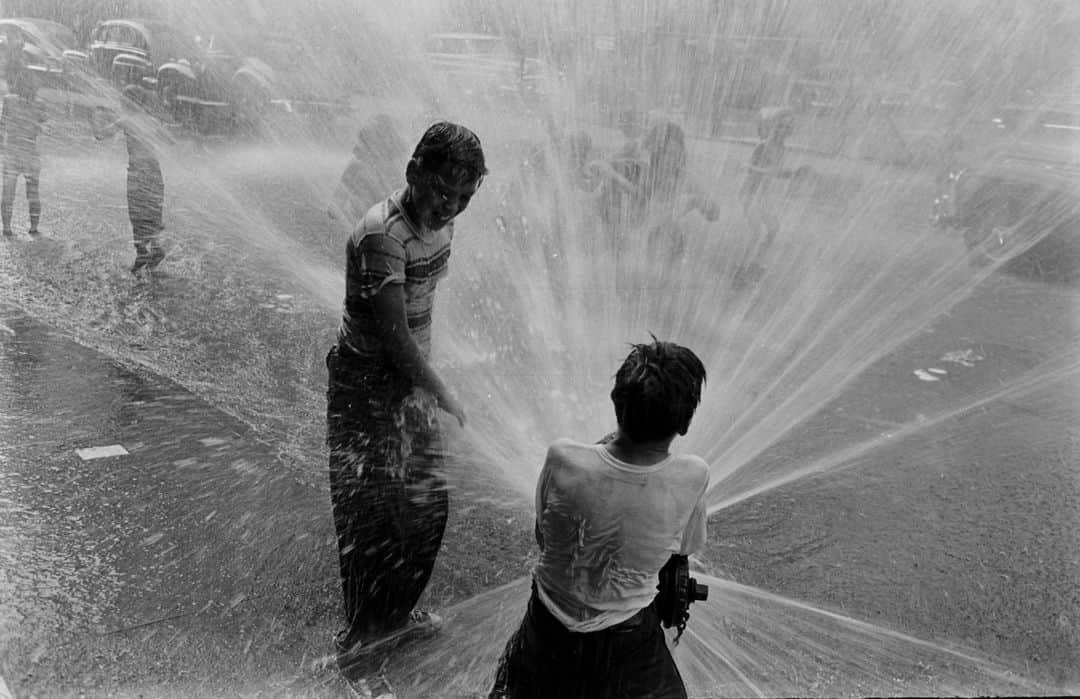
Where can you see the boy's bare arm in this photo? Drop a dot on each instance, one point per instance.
(393, 329)
(604, 169)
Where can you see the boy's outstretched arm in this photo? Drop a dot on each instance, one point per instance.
(393, 329)
(604, 169)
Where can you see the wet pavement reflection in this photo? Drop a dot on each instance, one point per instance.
(195, 530)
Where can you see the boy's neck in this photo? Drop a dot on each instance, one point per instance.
(636, 453)
(408, 207)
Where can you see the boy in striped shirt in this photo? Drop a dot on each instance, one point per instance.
(389, 501)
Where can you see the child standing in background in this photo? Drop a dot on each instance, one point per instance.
(373, 170)
(145, 184)
(20, 125)
(759, 204)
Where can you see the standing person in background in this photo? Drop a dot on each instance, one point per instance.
(372, 171)
(389, 499)
(14, 60)
(757, 193)
(145, 184)
(648, 188)
(609, 517)
(20, 125)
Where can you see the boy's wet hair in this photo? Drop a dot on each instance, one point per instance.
(657, 389)
(447, 142)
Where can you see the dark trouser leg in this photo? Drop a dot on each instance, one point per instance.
(33, 200)
(7, 201)
(425, 507)
(142, 232)
(146, 196)
(544, 659)
(389, 511)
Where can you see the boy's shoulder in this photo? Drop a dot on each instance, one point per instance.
(693, 470)
(696, 464)
(380, 218)
(565, 445)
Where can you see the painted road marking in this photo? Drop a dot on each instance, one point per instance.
(101, 452)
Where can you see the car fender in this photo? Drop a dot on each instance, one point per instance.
(256, 71)
(175, 69)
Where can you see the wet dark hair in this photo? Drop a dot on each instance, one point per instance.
(657, 389)
(446, 142)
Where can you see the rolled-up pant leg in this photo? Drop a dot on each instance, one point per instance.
(389, 501)
(146, 199)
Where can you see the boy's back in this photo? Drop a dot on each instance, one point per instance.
(607, 527)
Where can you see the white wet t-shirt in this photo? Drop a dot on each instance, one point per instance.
(606, 528)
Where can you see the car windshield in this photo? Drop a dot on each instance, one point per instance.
(57, 34)
(170, 43)
(279, 51)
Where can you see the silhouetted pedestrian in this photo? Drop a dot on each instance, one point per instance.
(20, 125)
(145, 183)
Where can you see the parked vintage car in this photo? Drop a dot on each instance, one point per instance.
(165, 59)
(1014, 192)
(483, 65)
(268, 75)
(46, 47)
(219, 82)
(143, 47)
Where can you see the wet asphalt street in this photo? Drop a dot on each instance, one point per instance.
(183, 558)
(185, 565)
(154, 543)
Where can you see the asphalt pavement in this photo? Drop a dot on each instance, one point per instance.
(154, 545)
(151, 544)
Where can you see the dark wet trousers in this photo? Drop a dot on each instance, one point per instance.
(545, 660)
(146, 200)
(389, 500)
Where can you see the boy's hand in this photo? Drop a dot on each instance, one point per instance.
(451, 405)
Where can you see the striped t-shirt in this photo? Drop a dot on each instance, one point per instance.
(388, 248)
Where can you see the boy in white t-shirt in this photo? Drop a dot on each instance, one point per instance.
(608, 517)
